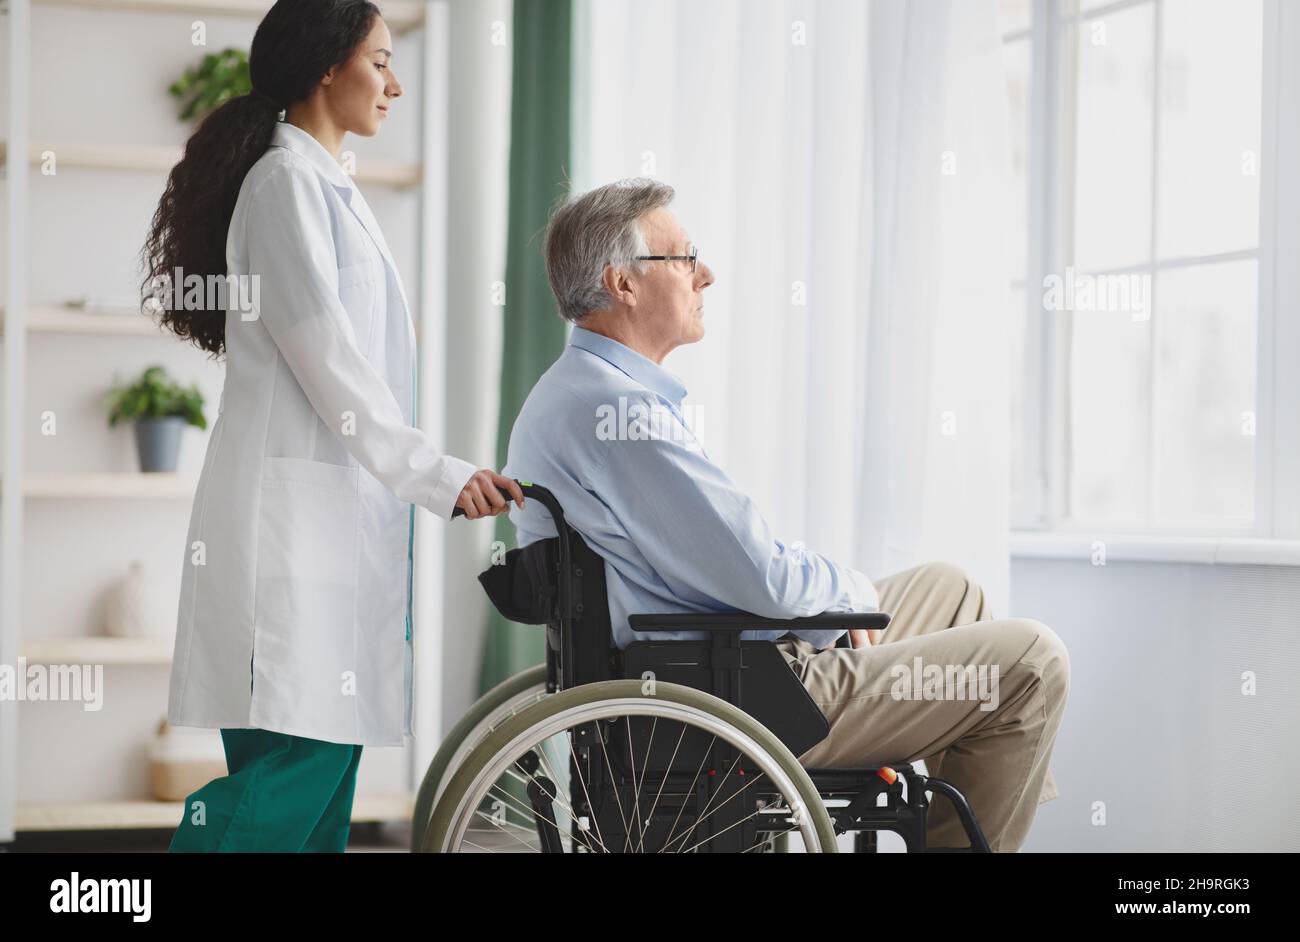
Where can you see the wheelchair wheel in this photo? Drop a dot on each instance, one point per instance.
(488, 712)
(619, 767)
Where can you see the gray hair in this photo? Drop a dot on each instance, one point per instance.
(598, 228)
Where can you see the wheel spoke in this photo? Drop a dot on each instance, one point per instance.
(567, 807)
(636, 786)
(549, 771)
(524, 809)
(613, 786)
(524, 781)
(734, 794)
(682, 807)
(770, 839)
(662, 781)
(582, 779)
(705, 813)
(733, 824)
(497, 826)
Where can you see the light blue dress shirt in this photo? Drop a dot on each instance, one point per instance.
(603, 430)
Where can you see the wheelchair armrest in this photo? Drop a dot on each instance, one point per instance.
(739, 621)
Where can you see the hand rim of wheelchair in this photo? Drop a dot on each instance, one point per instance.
(484, 766)
(487, 713)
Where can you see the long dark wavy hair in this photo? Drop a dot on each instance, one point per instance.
(296, 43)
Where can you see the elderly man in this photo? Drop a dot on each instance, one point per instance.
(603, 430)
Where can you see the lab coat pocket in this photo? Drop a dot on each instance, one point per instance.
(305, 621)
(309, 521)
(357, 292)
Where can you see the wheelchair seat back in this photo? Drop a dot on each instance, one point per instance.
(528, 586)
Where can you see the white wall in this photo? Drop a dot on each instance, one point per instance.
(1156, 725)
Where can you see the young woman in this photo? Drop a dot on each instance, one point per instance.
(294, 629)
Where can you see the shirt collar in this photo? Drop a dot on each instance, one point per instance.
(641, 368)
(300, 142)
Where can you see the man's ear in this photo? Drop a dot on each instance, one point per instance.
(618, 286)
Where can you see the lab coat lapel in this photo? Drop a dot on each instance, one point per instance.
(361, 209)
(296, 139)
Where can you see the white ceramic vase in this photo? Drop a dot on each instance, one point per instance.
(137, 608)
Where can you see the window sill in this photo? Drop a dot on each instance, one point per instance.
(1207, 550)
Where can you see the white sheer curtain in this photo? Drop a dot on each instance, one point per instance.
(842, 166)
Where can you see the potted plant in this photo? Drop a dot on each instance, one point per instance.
(160, 409)
(219, 77)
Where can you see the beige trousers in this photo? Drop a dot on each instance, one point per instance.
(876, 701)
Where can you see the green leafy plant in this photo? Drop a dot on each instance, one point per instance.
(218, 78)
(155, 396)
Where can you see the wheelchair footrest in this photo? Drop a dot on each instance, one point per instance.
(904, 815)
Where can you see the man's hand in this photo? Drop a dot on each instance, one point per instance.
(865, 637)
(481, 497)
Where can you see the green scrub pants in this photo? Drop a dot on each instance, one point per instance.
(282, 794)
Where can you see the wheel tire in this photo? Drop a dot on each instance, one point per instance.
(447, 809)
(485, 708)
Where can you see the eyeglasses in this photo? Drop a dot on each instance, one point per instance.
(695, 251)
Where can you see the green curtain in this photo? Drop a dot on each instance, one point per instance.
(534, 334)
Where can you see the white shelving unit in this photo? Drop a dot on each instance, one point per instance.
(19, 487)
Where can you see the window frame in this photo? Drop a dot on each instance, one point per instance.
(1041, 506)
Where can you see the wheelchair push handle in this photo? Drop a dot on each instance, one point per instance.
(531, 492)
(506, 495)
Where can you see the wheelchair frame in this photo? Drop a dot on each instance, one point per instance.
(560, 582)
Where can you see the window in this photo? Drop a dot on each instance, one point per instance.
(1137, 153)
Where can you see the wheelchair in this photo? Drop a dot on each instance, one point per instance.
(665, 746)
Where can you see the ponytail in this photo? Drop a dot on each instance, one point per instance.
(296, 43)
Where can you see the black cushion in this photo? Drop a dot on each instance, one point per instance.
(522, 587)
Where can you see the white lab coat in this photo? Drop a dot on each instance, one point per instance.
(295, 599)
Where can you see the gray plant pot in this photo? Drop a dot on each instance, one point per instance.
(158, 442)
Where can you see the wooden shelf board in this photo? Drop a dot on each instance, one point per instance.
(402, 16)
(56, 320)
(109, 485)
(97, 650)
(376, 170)
(121, 815)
